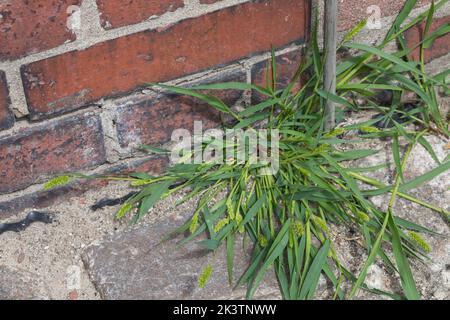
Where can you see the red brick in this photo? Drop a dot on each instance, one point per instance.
(6, 116)
(287, 65)
(74, 79)
(28, 27)
(353, 11)
(64, 146)
(440, 47)
(119, 13)
(151, 121)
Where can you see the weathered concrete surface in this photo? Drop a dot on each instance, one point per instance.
(135, 265)
(20, 285)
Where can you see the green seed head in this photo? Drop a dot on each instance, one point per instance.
(420, 241)
(238, 220)
(369, 129)
(322, 148)
(221, 224)
(204, 276)
(262, 240)
(57, 182)
(194, 223)
(321, 223)
(335, 132)
(362, 216)
(124, 210)
(230, 208)
(298, 228)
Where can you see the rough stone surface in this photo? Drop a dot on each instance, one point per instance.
(16, 284)
(135, 265)
(432, 277)
(351, 12)
(42, 254)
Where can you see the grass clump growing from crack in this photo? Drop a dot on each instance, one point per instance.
(289, 216)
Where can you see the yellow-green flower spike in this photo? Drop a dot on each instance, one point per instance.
(361, 215)
(335, 132)
(369, 129)
(194, 223)
(298, 228)
(230, 208)
(420, 241)
(221, 224)
(321, 223)
(57, 182)
(124, 210)
(262, 240)
(205, 276)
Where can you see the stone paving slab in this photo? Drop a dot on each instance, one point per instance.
(20, 285)
(135, 265)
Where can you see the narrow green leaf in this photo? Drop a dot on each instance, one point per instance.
(397, 157)
(157, 191)
(406, 276)
(277, 248)
(230, 257)
(312, 278)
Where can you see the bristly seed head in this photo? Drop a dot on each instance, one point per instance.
(205, 276)
(298, 228)
(369, 129)
(420, 241)
(362, 216)
(57, 182)
(221, 224)
(262, 240)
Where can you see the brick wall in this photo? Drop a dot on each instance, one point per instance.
(73, 75)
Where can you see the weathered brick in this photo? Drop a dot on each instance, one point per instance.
(112, 68)
(353, 11)
(287, 65)
(6, 116)
(28, 27)
(440, 47)
(151, 121)
(119, 13)
(64, 146)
